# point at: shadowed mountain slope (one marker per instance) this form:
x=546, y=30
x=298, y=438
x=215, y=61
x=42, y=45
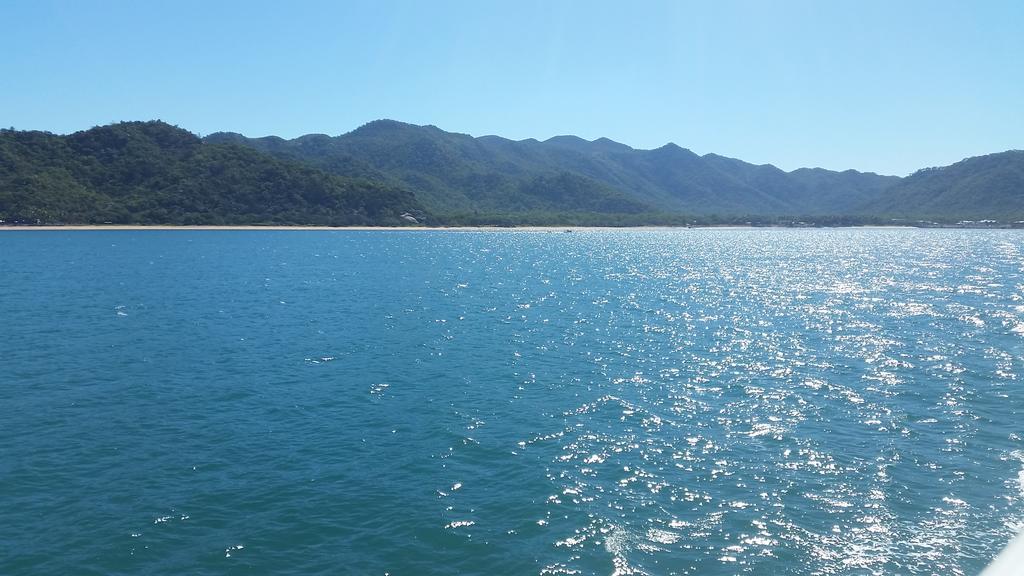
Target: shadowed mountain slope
x=453, y=172
x=982, y=187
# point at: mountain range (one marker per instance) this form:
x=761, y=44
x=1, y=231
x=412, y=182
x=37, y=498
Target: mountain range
x=389, y=172
x=452, y=172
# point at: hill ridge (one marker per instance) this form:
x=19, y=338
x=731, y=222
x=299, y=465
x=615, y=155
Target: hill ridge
x=453, y=172
x=154, y=172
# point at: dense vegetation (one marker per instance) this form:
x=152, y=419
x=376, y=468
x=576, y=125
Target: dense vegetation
x=983, y=187
x=154, y=173
x=456, y=173
x=385, y=171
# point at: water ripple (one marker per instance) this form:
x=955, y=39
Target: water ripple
x=634, y=402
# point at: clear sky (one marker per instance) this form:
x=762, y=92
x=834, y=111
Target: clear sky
x=888, y=86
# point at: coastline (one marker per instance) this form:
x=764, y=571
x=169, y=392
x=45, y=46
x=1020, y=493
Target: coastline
x=139, y=227
x=80, y=228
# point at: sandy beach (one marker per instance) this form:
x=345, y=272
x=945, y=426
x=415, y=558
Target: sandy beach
x=100, y=227
x=337, y=228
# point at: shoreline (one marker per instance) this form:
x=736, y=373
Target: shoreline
x=142, y=227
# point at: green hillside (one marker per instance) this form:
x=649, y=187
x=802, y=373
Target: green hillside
x=154, y=173
x=453, y=172
x=983, y=187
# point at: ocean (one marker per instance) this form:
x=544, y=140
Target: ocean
x=693, y=401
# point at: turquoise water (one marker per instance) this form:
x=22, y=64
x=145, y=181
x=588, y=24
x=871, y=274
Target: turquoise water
x=634, y=402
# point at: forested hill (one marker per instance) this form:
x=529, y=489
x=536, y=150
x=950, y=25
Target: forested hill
x=983, y=187
x=154, y=173
x=453, y=172
x=387, y=172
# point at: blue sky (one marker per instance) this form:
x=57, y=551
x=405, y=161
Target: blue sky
x=887, y=86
